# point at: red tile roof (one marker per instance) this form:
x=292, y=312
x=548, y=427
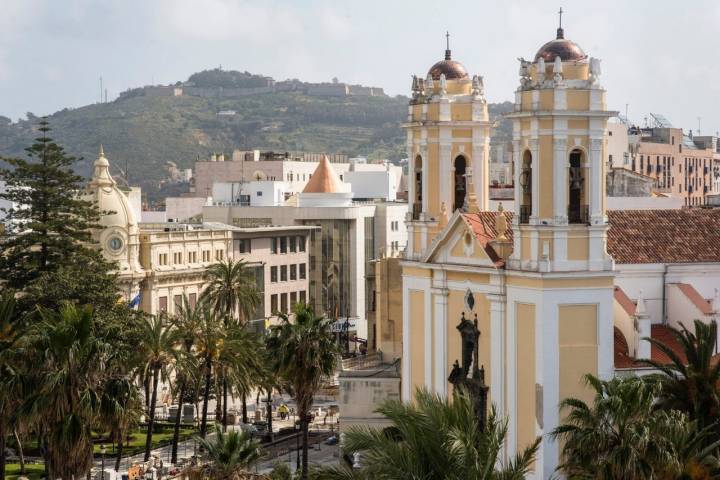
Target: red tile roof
x=658, y=332
x=664, y=236
x=641, y=236
x=624, y=301
x=689, y=291
x=483, y=226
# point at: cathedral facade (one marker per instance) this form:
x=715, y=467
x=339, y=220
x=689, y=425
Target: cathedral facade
x=539, y=282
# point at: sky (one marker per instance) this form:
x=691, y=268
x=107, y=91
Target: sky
x=657, y=56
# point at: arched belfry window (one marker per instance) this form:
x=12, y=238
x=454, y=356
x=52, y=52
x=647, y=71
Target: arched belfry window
x=460, y=182
x=418, y=179
x=526, y=188
x=577, y=204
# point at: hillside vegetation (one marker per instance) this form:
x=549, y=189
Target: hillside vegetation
x=145, y=132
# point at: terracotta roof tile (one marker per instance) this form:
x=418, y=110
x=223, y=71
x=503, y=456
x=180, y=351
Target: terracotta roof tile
x=624, y=301
x=689, y=291
x=642, y=236
x=483, y=226
x=659, y=332
x=664, y=236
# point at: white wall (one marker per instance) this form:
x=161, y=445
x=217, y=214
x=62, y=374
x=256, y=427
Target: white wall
x=651, y=278
x=183, y=208
x=385, y=215
x=617, y=144
x=377, y=185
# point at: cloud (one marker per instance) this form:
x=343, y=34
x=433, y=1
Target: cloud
x=218, y=20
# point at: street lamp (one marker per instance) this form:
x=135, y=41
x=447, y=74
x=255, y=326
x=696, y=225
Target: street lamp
x=103, y=451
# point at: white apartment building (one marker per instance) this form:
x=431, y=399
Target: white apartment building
x=350, y=235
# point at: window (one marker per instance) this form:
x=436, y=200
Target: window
x=273, y=274
x=293, y=272
x=192, y=257
x=283, y=273
x=460, y=183
x=293, y=244
x=273, y=245
x=303, y=274
x=162, y=304
x=206, y=255
x=302, y=296
x=284, y=303
x=177, y=303
x=273, y=303
x=293, y=299
x=301, y=244
x=244, y=245
x=177, y=258
x=162, y=259
x=610, y=157
x=218, y=255
x=258, y=193
x=192, y=300
x=283, y=244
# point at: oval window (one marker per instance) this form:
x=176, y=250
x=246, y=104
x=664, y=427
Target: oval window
x=115, y=244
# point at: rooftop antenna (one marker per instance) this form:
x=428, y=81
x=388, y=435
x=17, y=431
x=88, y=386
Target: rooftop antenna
x=101, y=89
x=699, y=121
x=560, y=31
x=447, y=46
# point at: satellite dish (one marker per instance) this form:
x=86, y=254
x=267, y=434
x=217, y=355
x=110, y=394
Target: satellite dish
x=259, y=175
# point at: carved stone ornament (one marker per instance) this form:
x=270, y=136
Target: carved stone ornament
x=469, y=300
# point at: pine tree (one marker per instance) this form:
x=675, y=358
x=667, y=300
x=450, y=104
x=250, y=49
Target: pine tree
x=49, y=252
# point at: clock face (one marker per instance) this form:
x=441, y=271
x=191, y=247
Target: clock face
x=115, y=244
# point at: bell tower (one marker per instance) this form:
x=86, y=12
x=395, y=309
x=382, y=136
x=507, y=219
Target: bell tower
x=559, y=278
x=448, y=139
x=559, y=124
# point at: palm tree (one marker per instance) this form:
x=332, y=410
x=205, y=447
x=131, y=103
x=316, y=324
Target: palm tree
x=232, y=291
x=187, y=323
x=433, y=437
x=303, y=353
x=10, y=379
x=623, y=435
x=69, y=364
x=158, y=344
x=229, y=454
x=208, y=344
x=120, y=409
x=691, y=386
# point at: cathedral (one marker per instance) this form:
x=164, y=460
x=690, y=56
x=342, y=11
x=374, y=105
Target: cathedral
x=539, y=283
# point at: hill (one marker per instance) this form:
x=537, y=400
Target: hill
x=145, y=132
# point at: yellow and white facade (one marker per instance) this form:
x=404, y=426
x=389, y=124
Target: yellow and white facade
x=542, y=291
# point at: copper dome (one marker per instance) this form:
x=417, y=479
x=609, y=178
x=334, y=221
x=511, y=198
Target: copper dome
x=567, y=50
x=452, y=69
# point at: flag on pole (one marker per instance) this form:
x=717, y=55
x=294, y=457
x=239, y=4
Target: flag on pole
x=135, y=301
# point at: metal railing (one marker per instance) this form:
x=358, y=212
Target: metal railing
x=416, y=210
x=579, y=214
x=524, y=213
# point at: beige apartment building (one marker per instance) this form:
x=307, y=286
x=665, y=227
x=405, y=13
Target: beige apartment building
x=681, y=165
x=280, y=257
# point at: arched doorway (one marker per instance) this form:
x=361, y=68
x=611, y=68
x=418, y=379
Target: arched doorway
x=460, y=182
x=577, y=209
x=525, y=209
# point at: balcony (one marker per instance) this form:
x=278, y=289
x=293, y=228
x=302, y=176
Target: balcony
x=416, y=210
x=579, y=214
x=524, y=214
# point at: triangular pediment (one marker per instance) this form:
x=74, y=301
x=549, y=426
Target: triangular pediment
x=458, y=244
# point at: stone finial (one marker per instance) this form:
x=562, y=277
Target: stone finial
x=640, y=305
x=540, y=70
x=102, y=151
x=443, y=215
x=443, y=85
x=501, y=223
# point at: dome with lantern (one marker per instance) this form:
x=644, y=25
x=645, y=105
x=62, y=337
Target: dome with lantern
x=118, y=230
